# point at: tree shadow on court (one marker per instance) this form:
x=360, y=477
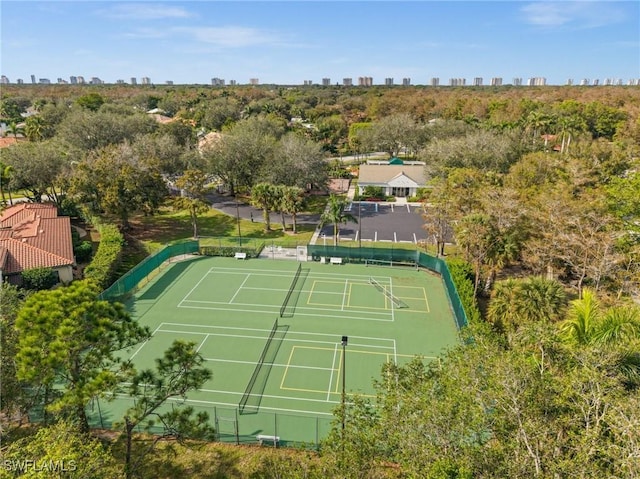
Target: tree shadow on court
x=252, y=397
x=166, y=280
x=290, y=307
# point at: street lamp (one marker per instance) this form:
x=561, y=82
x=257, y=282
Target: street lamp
x=238, y=221
x=345, y=339
x=359, y=224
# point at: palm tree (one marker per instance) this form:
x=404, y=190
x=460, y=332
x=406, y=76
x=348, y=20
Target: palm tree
x=334, y=214
x=542, y=299
x=583, y=314
x=504, y=305
x=15, y=129
x=264, y=195
x=569, y=124
x=5, y=176
x=586, y=323
x=34, y=128
x=292, y=202
x=524, y=301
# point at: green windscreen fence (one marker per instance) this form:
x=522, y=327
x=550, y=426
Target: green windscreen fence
x=397, y=256
x=364, y=254
x=142, y=270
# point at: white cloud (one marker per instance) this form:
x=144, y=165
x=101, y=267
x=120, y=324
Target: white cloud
x=575, y=14
x=146, y=33
x=231, y=36
x=145, y=11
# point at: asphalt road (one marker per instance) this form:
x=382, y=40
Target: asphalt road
x=227, y=205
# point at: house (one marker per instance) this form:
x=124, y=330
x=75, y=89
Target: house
x=396, y=177
x=32, y=235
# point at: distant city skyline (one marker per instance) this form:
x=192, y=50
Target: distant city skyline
x=297, y=43
x=325, y=81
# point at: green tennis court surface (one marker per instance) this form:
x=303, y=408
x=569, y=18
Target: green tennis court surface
x=229, y=309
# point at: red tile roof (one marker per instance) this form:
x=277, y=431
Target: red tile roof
x=33, y=236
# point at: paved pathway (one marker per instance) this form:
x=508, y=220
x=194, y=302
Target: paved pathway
x=227, y=205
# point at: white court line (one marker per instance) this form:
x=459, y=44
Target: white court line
x=146, y=341
x=395, y=352
x=333, y=365
x=202, y=342
x=239, y=288
x=344, y=293
x=393, y=317
x=262, y=338
x=277, y=365
x=235, y=404
x=193, y=289
x=304, y=333
x=315, y=315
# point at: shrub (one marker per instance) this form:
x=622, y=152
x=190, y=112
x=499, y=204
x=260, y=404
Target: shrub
x=37, y=279
x=373, y=192
x=107, y=258
x=83, y=251
x=462, y=276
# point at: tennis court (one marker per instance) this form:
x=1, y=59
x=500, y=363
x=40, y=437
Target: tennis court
x=271, y=333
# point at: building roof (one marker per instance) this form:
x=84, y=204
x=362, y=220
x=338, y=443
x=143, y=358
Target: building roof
x=9, y=141
x=32, y=235
x=383, y=174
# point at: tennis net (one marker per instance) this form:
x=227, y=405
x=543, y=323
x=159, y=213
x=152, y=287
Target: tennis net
x=396, y=301
x=283, y=308
x=256, y=371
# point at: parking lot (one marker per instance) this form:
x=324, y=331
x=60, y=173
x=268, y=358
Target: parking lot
x=398, y=223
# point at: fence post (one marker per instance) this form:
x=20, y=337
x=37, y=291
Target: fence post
x=275, y=428
x=237, y=428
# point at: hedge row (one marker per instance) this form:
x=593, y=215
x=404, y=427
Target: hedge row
x=462, y=276
x=105, y=262
x=230, y=251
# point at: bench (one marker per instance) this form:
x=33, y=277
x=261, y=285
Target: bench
x=335, y=260
x=241, y=255
x=266, y=438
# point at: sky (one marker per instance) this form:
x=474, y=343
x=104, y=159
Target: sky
x=293, y=41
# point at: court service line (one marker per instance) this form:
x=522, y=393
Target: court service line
x=277, y=365
x=337, y=276
x=235, y=404
x=269, y=396
x=239, y=288
x=146, y=341
x=194, y=288
x=295, y=340
x=350, y=318
x=236, y=328
x=335, y=351
x=344, y=293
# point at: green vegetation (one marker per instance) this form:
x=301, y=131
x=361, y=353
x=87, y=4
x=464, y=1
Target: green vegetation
x=538, y=186
x=39, y=278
